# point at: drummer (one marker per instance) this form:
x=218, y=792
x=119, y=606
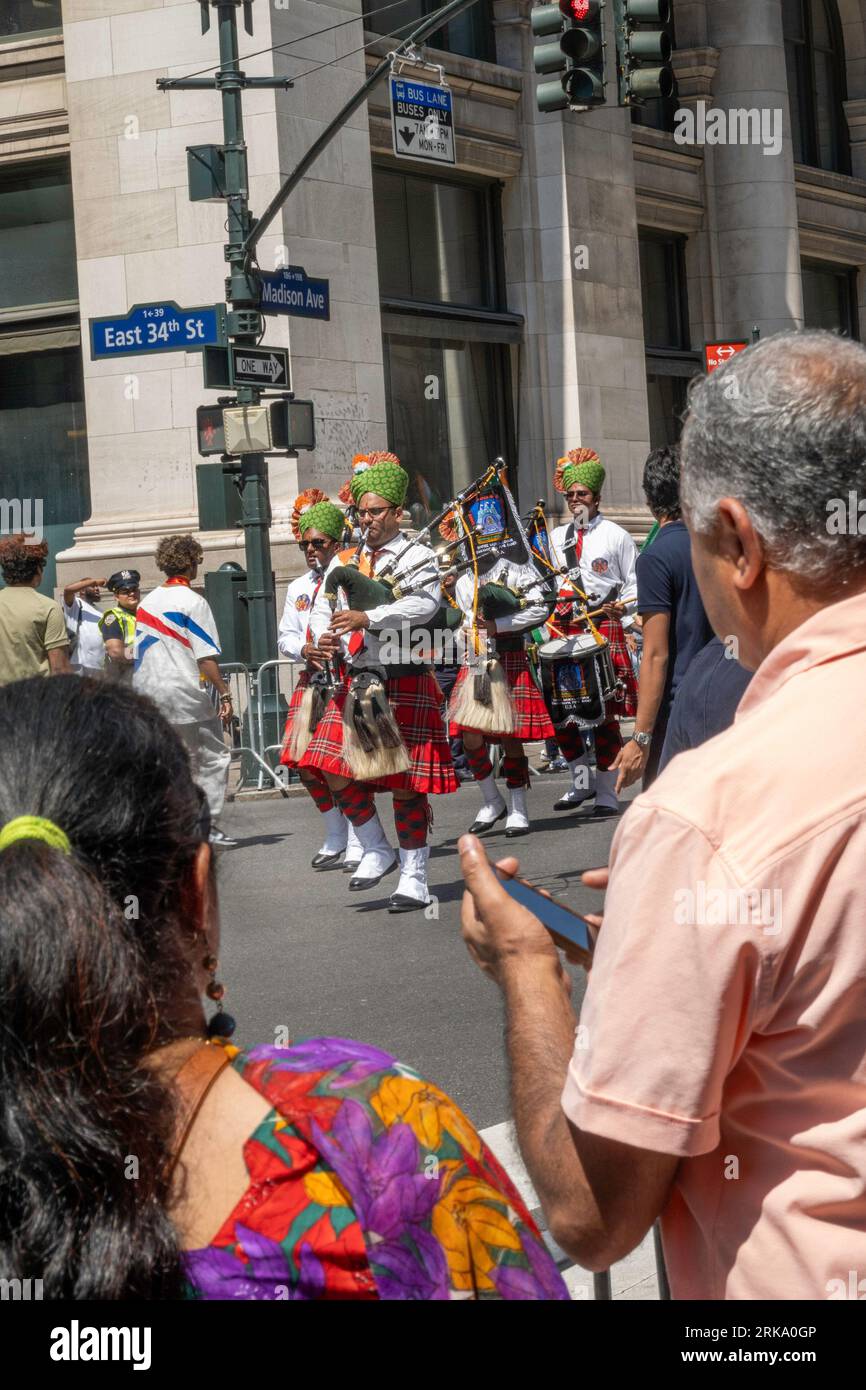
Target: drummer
x=601, y=559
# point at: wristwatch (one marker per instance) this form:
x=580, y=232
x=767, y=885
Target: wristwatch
x=642, y=740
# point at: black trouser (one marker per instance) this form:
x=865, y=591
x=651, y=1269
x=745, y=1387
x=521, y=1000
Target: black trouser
x=447, y=677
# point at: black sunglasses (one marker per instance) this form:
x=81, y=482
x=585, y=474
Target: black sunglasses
x=317, y=545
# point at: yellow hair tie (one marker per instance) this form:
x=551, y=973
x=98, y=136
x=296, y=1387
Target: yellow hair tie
x=34, y=828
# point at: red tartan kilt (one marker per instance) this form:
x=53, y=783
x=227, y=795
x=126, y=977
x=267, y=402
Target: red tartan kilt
x=297, y=696
x=417, y=705
x=531, y=719
x=612, y=629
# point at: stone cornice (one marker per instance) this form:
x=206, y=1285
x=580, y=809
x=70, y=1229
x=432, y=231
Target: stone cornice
x=477, y=154
x=467, y=77
x=659, y=147
x=831, y=188
x=31, y=57
x=695, y=70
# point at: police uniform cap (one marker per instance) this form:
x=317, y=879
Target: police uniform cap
x=124, y=579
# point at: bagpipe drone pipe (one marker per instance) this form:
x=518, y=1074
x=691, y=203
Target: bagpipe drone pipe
x=372, y=744
x=488, y=527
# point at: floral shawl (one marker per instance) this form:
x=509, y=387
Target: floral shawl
x=367, y=1182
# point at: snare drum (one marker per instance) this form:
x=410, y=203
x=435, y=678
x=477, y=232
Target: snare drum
x=578, y=680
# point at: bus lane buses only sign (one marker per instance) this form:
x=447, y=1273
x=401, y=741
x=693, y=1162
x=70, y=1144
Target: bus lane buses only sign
x=422, y=124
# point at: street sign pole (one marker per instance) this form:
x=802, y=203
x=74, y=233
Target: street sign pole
x=244, y=322
x=243, y=294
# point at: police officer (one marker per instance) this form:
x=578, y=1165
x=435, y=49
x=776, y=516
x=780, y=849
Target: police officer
x=117, y=623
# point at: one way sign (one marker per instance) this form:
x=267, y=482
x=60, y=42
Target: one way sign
x=261, y=366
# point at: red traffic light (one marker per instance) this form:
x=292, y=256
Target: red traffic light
x=579, y=10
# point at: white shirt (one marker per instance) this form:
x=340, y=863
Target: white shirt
x=504, y=571
x=297, y=612
x=174, y=629
x=415, y=610
x=89, y=651
x=608, y=558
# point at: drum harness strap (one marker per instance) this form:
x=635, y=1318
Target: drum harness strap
x=573, y=551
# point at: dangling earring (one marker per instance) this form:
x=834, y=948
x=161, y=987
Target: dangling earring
x=222, y=1025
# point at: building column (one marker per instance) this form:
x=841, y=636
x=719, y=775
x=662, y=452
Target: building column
x=757, y=258
x=572, y=269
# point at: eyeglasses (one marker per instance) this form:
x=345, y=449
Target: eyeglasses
x=317, y=545
x=578, y=495
x=374, y=512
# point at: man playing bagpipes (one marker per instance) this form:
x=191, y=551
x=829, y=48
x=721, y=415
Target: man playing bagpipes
x=318, y=526
x=495, y=699
x=600, y=558
x=382, y=730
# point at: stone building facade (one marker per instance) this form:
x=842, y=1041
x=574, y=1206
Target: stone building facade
x=555, y=288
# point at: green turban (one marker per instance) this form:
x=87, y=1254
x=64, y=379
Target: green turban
x=313, y=512
x=379, y=473
x=581, y=466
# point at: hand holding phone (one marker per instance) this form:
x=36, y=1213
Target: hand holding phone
x=571, y=932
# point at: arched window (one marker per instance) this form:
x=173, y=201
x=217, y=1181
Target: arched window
x=816, y=84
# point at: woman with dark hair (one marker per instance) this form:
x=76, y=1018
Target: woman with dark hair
x=141, y=1156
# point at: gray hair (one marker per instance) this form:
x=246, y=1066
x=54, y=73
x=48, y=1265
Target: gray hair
x=782, y=428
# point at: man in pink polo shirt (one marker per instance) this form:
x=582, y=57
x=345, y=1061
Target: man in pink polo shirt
x=717, y=1078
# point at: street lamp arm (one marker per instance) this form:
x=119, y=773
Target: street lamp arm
x=422, y=31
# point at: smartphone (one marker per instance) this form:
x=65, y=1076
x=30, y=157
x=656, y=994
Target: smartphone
x=566, y=927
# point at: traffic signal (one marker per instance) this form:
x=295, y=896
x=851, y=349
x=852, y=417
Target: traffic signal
x=577, y=54
x=643, y=55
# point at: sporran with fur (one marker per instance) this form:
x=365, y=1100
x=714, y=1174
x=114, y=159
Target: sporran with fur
x=482, y=700
x=373, y=746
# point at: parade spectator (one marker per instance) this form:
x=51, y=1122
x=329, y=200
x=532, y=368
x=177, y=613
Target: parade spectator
x=82, y=617
x=706, y=700
x=324, y=1170
x=33, y=636
x=718, y=1079
x=674, y=625
x=117, y=624
x=176, y=658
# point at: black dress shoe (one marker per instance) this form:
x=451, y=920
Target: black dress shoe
x=357, y=885
x=604, y=813
x=401, y=902
x=516, y=831
x=326, y=861
x=480, y=827
x=563, y=804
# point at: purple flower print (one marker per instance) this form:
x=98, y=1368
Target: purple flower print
x=402, y=1274
x=541, y=1281
x=325, y=1054
x=221, y=1274
x=381, y=1175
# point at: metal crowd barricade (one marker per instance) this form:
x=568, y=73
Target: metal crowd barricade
x=271, y=690
x=245, y=728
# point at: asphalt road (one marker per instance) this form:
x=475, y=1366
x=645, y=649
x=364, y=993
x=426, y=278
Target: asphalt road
x=302, y=956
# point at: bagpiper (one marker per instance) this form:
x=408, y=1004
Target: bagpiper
x=502, y=602
x=382, y=729
x=318, y=526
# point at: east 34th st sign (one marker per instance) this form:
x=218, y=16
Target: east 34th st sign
x=160, y=327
